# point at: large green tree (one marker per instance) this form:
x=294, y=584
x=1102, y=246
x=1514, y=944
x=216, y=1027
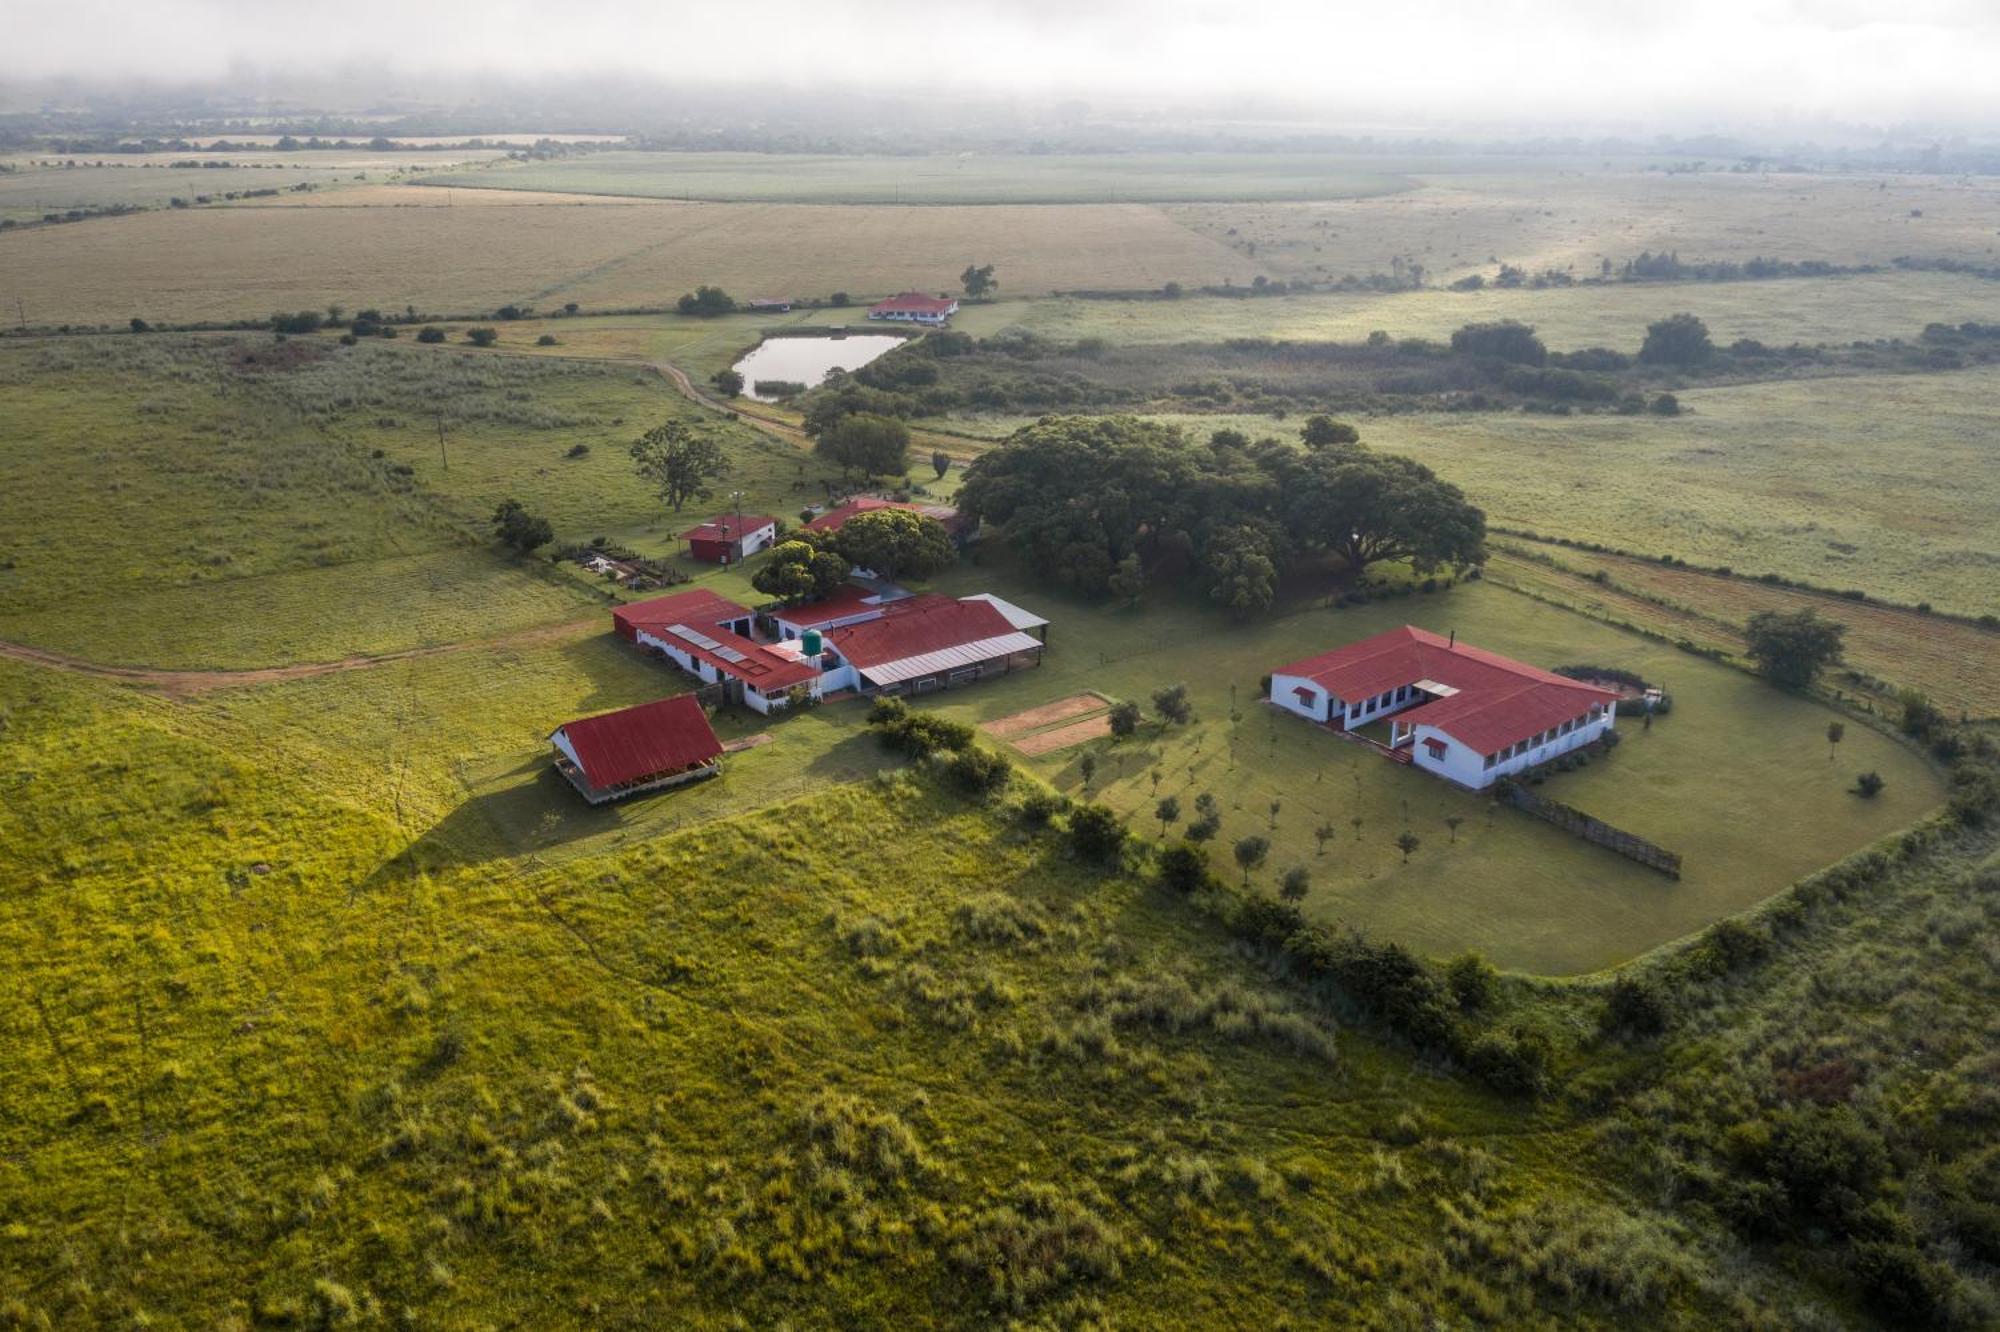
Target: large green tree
x=800, y=569
x=681, y=461
x=1680, y=339
x=895, y=543
x=1241, y=573
x=1367, y=507
x=866, y=443
x=1791, y=648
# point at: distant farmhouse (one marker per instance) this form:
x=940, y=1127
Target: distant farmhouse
x=1463, y=713
x=945, y=516
x=647, y=748
x=769, y=304
x=855, y=640
x=731, y=538
x=913, y=307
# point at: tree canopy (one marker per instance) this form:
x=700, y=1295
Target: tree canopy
x=1791, y=648
x=1680, y=339
x=867, y=443
x=1506, y=340
x=800, y=569
x=895, y=543
x=979, y=281
x=1080, y=498
x=522, y=530
x=681, y=462
x=706, y=302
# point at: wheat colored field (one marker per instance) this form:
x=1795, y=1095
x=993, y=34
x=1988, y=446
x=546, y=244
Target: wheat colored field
x=1460, y=224
x=184, y=266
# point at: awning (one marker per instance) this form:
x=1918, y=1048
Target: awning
x=951, y=658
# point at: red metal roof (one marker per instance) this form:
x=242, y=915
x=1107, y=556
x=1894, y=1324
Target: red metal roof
x=845, y=600
x=1498, y=702
x=729, y=528
x=918, y=625
x=663, y=736
x=834, y=518
x=914, y=302
x=699, y=607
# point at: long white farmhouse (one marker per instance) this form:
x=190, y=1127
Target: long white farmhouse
x=1463, y=713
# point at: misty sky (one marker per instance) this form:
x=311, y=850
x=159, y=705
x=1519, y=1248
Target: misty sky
x=1458, y=62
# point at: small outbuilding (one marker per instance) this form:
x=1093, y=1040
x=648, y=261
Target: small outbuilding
x=647, y=748
x=731, y=537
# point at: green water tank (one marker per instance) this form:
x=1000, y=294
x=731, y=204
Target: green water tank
x=811, y=641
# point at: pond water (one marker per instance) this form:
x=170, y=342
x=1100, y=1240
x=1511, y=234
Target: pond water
x=808, y=360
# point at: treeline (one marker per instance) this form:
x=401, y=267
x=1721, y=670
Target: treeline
x=1110, y=505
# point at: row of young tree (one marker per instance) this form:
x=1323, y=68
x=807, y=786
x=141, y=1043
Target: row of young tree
x=1109, y=505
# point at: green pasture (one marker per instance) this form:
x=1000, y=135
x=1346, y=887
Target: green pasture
x=966, y=178
x=1737, y=779
x=1885, y=483
x=781, y=1064
x=1778, y=312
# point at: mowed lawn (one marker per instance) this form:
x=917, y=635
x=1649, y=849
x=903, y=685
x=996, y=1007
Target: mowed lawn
x=1737, y=779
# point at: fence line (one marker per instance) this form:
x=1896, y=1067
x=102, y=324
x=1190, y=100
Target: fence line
x=1594, y=830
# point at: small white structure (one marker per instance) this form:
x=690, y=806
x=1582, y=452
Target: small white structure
x=1463, y=713
x=913, y=307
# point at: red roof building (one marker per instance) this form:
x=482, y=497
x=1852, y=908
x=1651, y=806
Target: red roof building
x=914, y=307
x=928, y=642
x=850, y=603
x=709, y=637
x=833, y=519
x=1465, y=713
x=731, y=537
x=647, y=748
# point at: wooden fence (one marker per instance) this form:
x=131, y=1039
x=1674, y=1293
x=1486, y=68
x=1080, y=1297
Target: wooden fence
x=1579, y=824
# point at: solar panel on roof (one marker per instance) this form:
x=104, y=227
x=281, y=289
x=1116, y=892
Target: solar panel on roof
x=694, y=636
x=729, y=654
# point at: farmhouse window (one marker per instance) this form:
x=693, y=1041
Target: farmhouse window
x=1437, y=748
x=1491, y=759
x=1595, y=712
x=1566, y=726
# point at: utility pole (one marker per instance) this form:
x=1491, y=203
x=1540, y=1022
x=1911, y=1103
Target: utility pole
x=443, y=457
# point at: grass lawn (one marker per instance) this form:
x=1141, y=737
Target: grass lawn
x=1737, y=779
x=1789, y=477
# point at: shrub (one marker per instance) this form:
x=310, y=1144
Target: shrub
x=1516, y=1064
x=430, y=333
x=1035, y=1242
x=1039, y=806
x=1900, y=1283
x=1635, y=1006
x=546, y=340
x=979, y=771
x=1473, y=981
x=1096, y=833
x=1868, y=784
x=1184, y=867
x=482, y=337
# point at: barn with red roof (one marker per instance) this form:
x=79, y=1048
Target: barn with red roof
x=925, y=643
x=710, y=637
x=647, y=748
x=1464, y=713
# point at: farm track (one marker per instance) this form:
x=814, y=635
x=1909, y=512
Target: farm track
x=187, y=684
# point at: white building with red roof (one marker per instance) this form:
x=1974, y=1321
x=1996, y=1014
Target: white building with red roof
x=709, y=637
x=914, y=307
x=731, y=538
x=1458, y=711
x=926, y=643
x=647, y=748
x=836, y=517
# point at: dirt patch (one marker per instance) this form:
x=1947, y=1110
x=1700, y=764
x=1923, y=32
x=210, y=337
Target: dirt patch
x=1062, y=737
x=1048, y=714
x=747, y=742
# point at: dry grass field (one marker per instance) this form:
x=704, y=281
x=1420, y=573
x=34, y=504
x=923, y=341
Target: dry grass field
x=1779, y=312
x=235, y=263
x=1460, y=224
x=954, y=178
x=1956, y=664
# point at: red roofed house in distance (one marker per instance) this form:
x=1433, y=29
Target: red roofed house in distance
x=647, y=748
x=1466, y=714
x=913, y=307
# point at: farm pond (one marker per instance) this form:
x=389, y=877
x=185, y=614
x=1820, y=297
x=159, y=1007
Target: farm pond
x=808, y=360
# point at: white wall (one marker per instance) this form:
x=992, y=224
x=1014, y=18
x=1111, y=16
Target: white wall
x=762, y=537
x=1284, y=693
x=1462, y=765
